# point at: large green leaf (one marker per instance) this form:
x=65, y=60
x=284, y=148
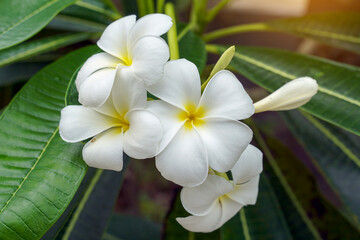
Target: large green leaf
x=39, y=46
x=40, y=173
x=338, y=98
x=75, y=24
x=264, y=220
x=340, y=29
x=336, y=155
x=57, y=228
x=21, y=19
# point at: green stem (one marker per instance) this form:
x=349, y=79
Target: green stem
x=198, y=15
x=82, y=203
x=141, y=4
x=113, y=15
x=234, y=30
x=215, y=10
x=172, y=34
x=160, y=6
x=150, y=6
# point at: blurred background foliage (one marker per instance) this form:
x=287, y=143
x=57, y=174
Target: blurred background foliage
x=311, y=180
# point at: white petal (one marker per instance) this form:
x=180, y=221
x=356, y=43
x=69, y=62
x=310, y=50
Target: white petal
x=200, y=199
x=96, y=89
x=206, y=223
x=78, y=123
x=224, y=140
x=128, y=93
x=248, y=166
x=184, y=159
x=229, y=209
x=246, y=193
x=151, y=24
x=180, y=84
x=108, y=108
x=168, y=116
x=291, y=95
x=115, y=37
x=149, y=55
x=224, y=96
x=142, y=139
x=105, y=150
x=93, y=64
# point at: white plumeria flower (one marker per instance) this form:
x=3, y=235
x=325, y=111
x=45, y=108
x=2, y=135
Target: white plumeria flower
x=217, y=200
x=130, y=46
x=120, y=125
x=291, y=95
x=199, y=131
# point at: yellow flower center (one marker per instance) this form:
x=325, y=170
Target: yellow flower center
x=122, y=123
x=127, y=61
x=192, y=116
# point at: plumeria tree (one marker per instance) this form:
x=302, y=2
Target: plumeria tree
x=134, y=83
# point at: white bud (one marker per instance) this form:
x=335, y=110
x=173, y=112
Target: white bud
x=290, y=96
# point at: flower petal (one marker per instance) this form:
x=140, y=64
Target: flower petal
x=206, y=223
x=115, y=37
x=96, y=89
x=248, y=166
x=224, y=96
x=151, y=24
x=246, y=193
x=229, y=209
x=168, y=115
x=143, y=137
x=78, y=123
x=94, y=63
x=180, y=84
x=224, y=140
x=128, y=93
x=149, y=55
x=105, y=150
x=184, y=159
x=200, y=199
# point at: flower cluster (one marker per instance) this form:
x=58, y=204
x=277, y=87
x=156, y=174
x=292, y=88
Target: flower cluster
x=195, y=137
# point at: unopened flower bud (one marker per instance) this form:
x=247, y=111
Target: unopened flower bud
x=290, y=96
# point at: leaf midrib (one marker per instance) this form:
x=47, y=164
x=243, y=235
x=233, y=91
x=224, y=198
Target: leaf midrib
x=291, y=77
x=31, y=169
x=29, y=16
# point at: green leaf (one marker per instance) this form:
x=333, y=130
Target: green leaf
x=75, y=24
x=40, y=173
x=192, y=48
x=21, y=19
x=57, y=228
x=340, y=29
x=39, y=46
x=336, y=156
x=131, y=227
x=91, y=217
x=325, y=218
x=338, y=98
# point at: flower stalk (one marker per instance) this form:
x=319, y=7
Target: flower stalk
x=172, y=34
